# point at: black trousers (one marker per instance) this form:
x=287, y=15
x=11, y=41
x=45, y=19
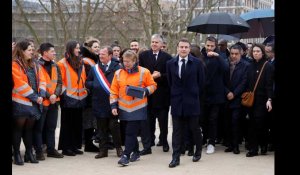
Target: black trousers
x=105, y=125
x=145, y=133
x=162, y=117
x=47, y=122
x=71, y=129
x=258, y=131
x=131, y=142
x=211, y=114
x=232, y=126
x=179, y=123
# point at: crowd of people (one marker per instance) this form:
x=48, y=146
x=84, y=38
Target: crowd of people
x=114, y=96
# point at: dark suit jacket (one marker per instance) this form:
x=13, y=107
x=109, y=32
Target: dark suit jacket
x=237, y=83
x=100, y=99
x=186, y=92
x=161, y=97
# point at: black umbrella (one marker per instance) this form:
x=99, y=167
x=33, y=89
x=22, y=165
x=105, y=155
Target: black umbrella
x=218, y=23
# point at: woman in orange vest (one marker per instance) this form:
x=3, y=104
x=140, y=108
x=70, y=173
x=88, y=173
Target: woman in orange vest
x=131, y=109
x=73, y=99
x=89, y=52
x=27, y=97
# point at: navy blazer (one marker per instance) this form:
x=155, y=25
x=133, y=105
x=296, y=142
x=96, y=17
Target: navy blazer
x=186, y=92
x=161, y=97
x=100, y=99
x=237, y=83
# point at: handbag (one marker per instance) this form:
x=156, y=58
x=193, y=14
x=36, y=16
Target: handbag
x=248, y=97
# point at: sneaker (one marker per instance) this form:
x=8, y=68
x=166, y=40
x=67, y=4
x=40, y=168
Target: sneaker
x=124, y=160
x=135, y=156
x=210, y=149
x=54, y=154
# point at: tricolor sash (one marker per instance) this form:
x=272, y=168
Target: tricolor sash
x=102, y=79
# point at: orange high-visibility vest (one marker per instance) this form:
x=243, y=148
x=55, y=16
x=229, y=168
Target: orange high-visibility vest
x=51, y=82
x=120, y=81
x=22, y=89
x=74, y=88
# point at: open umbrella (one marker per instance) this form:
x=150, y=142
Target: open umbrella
x=218, y=23
x=261, y=22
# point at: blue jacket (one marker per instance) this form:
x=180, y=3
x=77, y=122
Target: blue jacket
x=186, y=93
x=100, y=99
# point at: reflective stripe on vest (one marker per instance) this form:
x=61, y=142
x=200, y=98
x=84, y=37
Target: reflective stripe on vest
x=70, y=90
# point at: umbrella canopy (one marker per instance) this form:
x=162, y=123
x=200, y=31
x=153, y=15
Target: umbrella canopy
x=218, y=23
x=261, y=22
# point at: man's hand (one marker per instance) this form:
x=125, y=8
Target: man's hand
x=114, y=112
x=211, y=54
x=230, y=96
x=156, y=74
x=52, y=98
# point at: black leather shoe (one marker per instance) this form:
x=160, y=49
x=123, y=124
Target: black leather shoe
x=68, y=152
x=17, y=158
x=77, y=151
x=54, y=154
x=196, y=158
x=229, y=149
x=174, y=163
x=251, y=154
x=263, y=150
x=236, y=151
x=145, y=152
x=159, y=144
x=40, y=156
x=29, y=157
x=166, y=148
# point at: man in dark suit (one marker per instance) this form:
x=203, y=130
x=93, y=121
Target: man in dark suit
x=235, y=85
x=185, y=76
x=158, y=103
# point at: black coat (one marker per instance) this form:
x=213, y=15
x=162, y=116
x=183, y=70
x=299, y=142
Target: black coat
x=215, y=82
x=100, y=99
x=264, y=89
x=237, y=83
x=161, y=97
x=186, y=92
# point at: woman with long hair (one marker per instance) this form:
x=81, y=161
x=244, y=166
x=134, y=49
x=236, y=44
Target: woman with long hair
x=27, y=97
x=73, y=99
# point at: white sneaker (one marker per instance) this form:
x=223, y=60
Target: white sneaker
x=210, y=149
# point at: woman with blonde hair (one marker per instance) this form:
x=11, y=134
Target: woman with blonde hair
x=130, y=108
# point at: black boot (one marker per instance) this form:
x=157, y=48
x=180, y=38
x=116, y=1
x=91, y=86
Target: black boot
x=18, y=158
x=29, y=157
x=88, y=142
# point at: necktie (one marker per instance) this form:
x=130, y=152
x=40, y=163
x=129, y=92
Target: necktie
x=155, y=56
x=232, y=66
x=182, y=71
x=105, y=67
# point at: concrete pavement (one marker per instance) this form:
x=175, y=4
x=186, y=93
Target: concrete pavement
x=219, y=163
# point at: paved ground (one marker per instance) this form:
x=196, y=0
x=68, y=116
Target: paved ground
x=219, y=163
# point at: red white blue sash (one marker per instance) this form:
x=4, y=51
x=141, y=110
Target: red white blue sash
x=102, y=79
